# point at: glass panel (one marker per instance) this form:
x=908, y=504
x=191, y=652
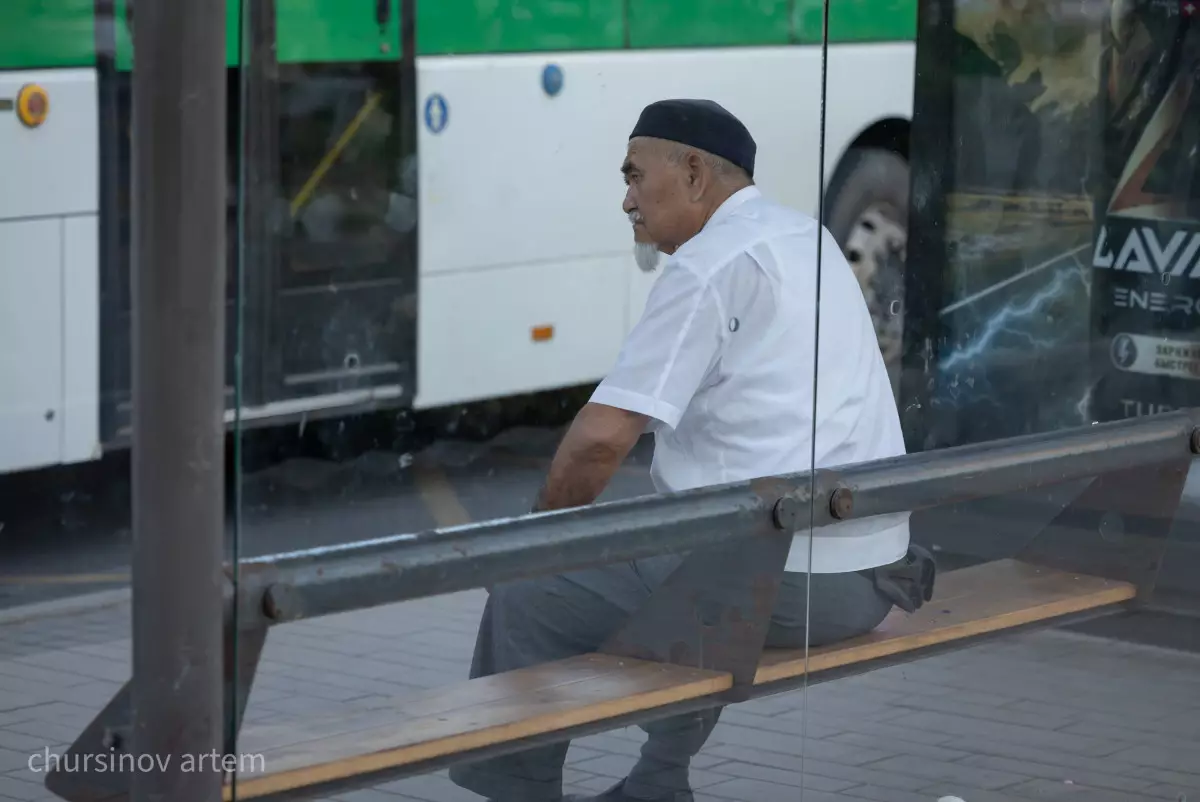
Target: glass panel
x=324, y=131
x=65, y=506
x=114, y=32
x=1021, y=234
x=330, y=221
x=70, y=471
x=536, y=351
x=859, y=53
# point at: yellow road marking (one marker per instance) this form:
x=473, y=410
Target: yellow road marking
x=438, y=495
x=64, y=579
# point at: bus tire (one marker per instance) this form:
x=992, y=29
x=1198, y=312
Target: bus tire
x=867, y=214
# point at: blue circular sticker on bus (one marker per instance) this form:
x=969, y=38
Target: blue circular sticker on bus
x=437, y=113
x=552, y=79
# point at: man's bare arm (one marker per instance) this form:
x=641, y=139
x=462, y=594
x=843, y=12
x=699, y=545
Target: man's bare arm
x=594, y=447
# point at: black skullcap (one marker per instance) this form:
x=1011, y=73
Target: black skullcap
x=700, y=124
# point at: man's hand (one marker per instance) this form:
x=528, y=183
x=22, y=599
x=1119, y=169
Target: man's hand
x=594, y=447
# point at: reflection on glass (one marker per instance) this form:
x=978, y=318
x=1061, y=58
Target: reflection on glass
x=315, y=123
x=1008, y=319
x=64, y=505
x=1066, y=200
x=1147, y=240
x=1042, y=259
x=345, y=220
x=520, y=114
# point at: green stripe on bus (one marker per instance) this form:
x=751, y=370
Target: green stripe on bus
x=708, y=23
x=47, y=33
x=448, y=27
x=54, y=33
x=335, y=30
x=856, y=21
x=306, y=31
x=124, y=34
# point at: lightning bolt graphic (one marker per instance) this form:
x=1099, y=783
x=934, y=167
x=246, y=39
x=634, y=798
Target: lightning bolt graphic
x=976, y=373
x=1005, y=321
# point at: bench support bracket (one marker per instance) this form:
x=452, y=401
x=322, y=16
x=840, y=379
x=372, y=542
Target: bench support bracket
x=105, y=743
x=1117, y=528
x=713, y=611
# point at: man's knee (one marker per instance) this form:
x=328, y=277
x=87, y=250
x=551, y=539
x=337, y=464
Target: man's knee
x=552, y=616
x=529, y=608
x=522, y=594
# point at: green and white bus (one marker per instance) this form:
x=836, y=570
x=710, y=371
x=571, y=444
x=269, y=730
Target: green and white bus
x=428, y=189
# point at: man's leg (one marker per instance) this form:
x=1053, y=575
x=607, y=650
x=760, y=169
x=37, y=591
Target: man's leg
x=661, y=772
x=536, y=621
x=843, y=606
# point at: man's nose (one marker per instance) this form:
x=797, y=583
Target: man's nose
x=628, y=205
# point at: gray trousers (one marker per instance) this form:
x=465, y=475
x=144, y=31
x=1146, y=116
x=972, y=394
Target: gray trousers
x=554, y=617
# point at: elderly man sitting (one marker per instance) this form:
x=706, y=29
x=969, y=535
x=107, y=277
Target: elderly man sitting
x=720, y=367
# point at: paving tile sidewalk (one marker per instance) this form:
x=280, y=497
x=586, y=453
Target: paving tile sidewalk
x=1037, y=717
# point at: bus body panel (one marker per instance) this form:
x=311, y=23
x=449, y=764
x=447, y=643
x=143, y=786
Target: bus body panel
x=49, y=322
x=52, y=169
x=81, y=339
x=519, y=329
x=519, y=188
x=30, y=342
x=525, y=278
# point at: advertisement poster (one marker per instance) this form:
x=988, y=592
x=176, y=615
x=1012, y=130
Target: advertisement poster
x=1146, y=255
x=1066, y=125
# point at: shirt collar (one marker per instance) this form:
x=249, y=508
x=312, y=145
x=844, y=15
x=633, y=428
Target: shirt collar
x=733, y=202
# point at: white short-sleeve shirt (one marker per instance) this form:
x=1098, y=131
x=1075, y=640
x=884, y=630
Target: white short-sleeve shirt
x=722, y=360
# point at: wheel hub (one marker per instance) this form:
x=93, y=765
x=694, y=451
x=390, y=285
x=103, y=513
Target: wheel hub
x=876, y=249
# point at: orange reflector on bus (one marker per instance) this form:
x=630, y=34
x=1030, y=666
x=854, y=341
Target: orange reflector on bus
x=33, y=104
x=542, y=333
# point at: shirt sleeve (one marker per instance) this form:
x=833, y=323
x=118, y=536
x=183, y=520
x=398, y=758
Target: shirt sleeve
x=670, y=351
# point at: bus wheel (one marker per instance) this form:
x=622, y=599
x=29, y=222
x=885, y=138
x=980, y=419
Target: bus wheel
x=868, y=216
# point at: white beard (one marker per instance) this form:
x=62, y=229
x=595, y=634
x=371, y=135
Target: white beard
x=647, y=256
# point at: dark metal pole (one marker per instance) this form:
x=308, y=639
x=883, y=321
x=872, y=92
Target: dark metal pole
x=179, y=174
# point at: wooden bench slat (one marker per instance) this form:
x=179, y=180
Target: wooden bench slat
x=465, y=695
x=967, y=603
x=457, y=718
x=581, y=690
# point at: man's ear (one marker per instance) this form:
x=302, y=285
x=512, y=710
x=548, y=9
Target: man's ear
x=696, y=176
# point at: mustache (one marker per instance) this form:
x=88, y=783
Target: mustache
x=636, y=217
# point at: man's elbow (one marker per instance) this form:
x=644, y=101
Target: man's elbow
x=608, y=433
